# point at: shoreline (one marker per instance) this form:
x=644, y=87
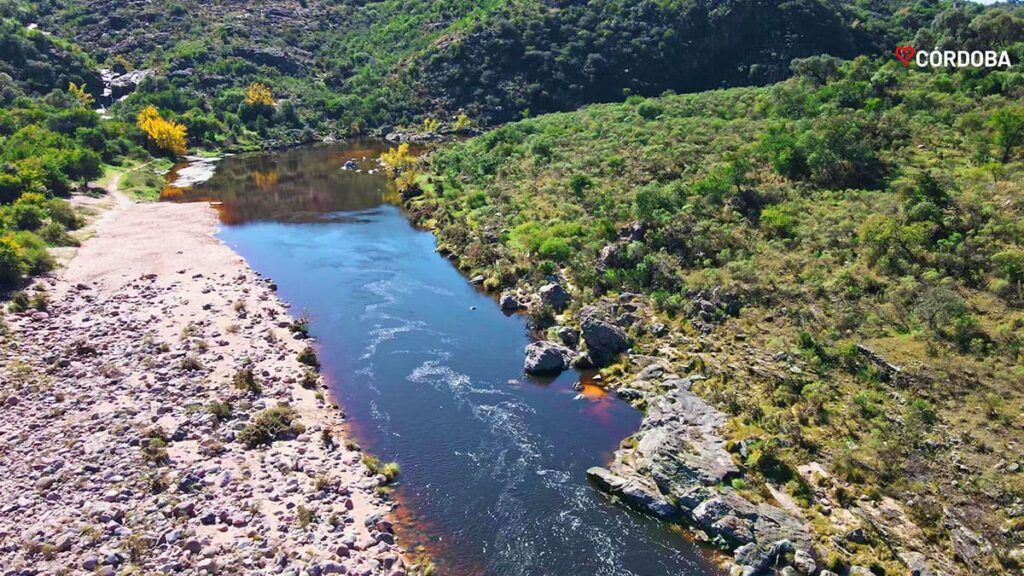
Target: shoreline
x=147, y=327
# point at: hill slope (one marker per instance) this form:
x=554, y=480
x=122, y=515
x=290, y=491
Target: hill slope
x=839, y=256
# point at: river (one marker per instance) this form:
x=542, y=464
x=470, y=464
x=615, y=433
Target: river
x=429, y=372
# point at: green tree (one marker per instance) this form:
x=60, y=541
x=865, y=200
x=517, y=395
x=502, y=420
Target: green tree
x=1008, y=123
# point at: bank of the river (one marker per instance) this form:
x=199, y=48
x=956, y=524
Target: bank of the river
x=122, y=411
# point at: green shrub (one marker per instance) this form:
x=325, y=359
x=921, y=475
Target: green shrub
x=54, y=234
x=220, y=410
x=11, y=265
x=270, y=425
x=309, y=379
x=19, y=302
x=556, y=249
x=309, y=358
x=190, y=363
x=245, y=379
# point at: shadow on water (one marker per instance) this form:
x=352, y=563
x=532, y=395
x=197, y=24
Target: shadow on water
x=429, y=372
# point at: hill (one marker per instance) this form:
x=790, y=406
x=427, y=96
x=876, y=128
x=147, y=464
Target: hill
x=836, y=259
x=349, y=66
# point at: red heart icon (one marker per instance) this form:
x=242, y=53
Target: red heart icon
x=905, y=54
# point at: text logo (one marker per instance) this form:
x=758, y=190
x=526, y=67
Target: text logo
x=952, y=58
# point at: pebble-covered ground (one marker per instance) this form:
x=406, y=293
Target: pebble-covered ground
x=122, y=425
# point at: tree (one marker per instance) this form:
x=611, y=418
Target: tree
x=398, y=159
x=165, y=135
x=258, y=94
x=1008, y=123
x=1010, y=265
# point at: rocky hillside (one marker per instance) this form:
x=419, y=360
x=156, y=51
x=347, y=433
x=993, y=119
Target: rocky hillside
x=818, y=283
x=342, y=67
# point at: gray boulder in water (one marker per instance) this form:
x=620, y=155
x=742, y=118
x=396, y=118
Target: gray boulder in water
x=509, y=302
x=546, y=358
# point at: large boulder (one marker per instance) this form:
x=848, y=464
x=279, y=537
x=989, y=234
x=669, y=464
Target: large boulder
x=604, y=340
x=509, y=302
x=546, y=358
x=555, y=296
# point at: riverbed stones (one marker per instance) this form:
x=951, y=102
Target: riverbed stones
x=546, y=358
x=102, y=374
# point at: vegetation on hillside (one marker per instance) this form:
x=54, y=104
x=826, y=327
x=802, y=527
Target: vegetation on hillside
x=51, y=142
x=348, y=67
x=858, y=203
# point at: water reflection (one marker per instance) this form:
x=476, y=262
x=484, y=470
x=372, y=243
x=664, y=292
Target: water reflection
x=297, y=185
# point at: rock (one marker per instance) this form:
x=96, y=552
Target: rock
x=679, y=440
x=478, y=279
x=754, y=557
x=857, y=536
x=634, y=492
x=123, y=84
x=611, y=256
x=349, y=165
x=804, y=562
x=629, y=394
x=633, y=232
x=554, y=296
x=860, y=571
x=968, y=546
x=509, y=302
x=604, y=341
x=546, y=358
x=568, y=336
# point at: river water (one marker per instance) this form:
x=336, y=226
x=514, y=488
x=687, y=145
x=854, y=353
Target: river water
x=429, y=372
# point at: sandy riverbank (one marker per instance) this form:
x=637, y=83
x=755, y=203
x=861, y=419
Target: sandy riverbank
x=146, y=327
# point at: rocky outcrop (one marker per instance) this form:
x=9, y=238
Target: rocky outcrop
x=708, y=309
x=675, y=467
x=120, y=85
x=546, y=358
x=288, y=62
x=604, y=340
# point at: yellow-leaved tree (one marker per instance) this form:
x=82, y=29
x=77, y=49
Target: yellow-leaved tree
x=165, y=135
x=83, y=97
x=398, y=160
x=258, y=94
x=400, y=163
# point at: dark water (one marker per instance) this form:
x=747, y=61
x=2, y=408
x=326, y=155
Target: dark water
x=492, y=461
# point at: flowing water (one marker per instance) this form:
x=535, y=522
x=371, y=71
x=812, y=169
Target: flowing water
x=429, y=372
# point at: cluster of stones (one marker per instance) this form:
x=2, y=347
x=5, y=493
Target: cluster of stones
x=86, y=384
